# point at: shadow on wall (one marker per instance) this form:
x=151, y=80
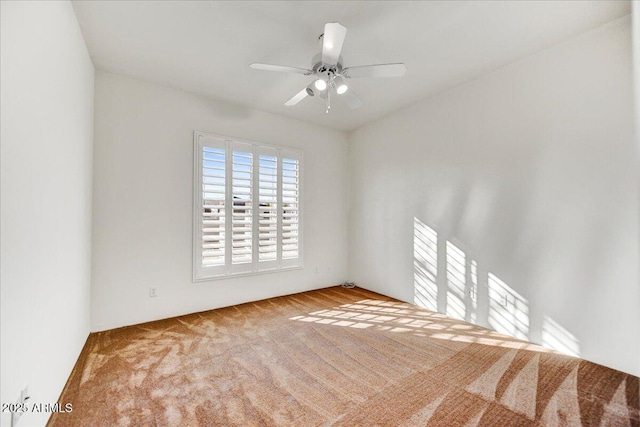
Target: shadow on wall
x=449, y=281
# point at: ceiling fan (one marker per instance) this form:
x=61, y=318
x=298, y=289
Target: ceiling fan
x=329, y=73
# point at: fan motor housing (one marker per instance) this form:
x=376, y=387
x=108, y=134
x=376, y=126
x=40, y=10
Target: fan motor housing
x=320, y=67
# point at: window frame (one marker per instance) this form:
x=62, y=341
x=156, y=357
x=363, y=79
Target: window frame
x=228, y=269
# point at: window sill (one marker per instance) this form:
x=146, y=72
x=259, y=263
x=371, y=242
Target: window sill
x=245, y=274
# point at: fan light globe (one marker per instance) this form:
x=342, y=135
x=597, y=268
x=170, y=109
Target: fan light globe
x=309, y=89
x=340, y=85
x=320, y=84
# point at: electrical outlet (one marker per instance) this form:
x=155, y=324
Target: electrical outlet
x=153, y=292
x=471, y=293
x=504, y=301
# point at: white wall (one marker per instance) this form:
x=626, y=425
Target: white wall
x=142, y=229
x=635, y=22
x=47, y=131
x=532, y=172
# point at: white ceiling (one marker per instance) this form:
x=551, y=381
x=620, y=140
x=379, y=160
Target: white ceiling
x=206, y=47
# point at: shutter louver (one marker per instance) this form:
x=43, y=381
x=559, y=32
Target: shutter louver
x=242, y=199
x=290, y=208
x=268, y=198
x=213, y=207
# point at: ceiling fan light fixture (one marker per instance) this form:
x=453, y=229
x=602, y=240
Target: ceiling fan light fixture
x=311, y=89
x=340, y=85
x=329, y=75
x=320, y=84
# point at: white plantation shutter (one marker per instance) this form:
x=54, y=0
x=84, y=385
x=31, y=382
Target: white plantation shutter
x=211, y=213
x=247, y=207
x=290, y=178
x=241, y=196
x=268, y=207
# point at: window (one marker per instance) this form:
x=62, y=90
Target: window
x=247, y=207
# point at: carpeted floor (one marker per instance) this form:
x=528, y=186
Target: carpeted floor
x=335, y=357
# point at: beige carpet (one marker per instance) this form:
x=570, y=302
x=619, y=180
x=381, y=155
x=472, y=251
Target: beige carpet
x=341, y=357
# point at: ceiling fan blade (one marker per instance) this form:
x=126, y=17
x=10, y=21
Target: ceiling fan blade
x=353, y=101
x=332, y=41
x=281, y=68
x=297, y=98
x=380, y=70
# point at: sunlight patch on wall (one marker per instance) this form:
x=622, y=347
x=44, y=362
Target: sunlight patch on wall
x=425, y=265
x=558, y=338
x=456, y=282
x=461, y=287
x=508, y=310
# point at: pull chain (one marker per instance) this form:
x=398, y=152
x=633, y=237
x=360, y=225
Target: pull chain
x=328, y=101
